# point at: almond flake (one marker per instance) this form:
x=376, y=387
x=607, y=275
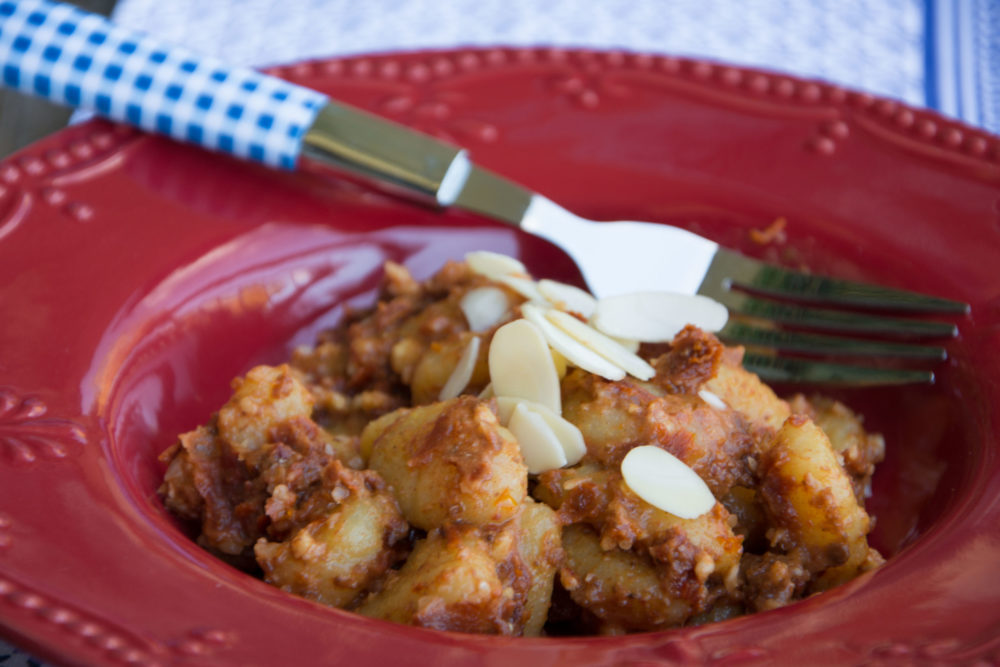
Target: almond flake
x=539, y=444
x=521, y=365
x=656, y=317
x=560, y=362
x=569, y=436
x=628, y=343
x=712, y=399
x=575, y=352
x=526, y=287
x=602, y=345
x=484, y=307
x=462, y=373
x=505, y=408
x=493, y=264
x=567, y=297
x=665, y=482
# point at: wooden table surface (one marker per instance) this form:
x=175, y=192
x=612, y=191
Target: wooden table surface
x=26, y=119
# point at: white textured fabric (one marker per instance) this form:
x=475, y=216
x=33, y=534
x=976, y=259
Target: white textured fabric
x=876, y=45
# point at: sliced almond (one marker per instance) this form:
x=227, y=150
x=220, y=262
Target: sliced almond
x=526, y=287
x=712, y=399
x=575, y=352
x=540, y=446
x=505, y=408
x=656, y=317
x=628, y=343
x=521, y=365
x=484, y=307
x=560, y=362
x=567, y=297
x=665, y=482
x=602, y=345
x=569, y=436
x=462, y=373
x=493, y=264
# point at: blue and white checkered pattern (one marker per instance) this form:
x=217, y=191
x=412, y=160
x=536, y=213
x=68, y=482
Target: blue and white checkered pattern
x=70, y=57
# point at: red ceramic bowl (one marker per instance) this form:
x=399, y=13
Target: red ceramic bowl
x=138, y=277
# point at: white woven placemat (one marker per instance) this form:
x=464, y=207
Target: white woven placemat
x=939, y=53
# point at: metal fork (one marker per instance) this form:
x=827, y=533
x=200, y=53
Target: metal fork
x=71, y=57
x=757, y=294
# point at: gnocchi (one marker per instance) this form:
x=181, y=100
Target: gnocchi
x=341, y=477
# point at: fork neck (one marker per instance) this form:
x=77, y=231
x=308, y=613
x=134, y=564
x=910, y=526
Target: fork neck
x=387, y=155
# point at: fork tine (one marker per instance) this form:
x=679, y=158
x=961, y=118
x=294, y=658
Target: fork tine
x=834, y=320
x=745, y=334
x=784, y=369
x=752, y=274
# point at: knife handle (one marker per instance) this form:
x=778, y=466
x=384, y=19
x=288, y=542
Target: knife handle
x=75, y=58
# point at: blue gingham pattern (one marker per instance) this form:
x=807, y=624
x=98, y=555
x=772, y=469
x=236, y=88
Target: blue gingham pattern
x=71, y=57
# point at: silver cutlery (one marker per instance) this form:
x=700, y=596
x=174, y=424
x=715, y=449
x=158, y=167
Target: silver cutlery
x=71, y=57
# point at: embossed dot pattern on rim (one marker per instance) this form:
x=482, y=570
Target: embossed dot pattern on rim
x=37, y=174
x=439, y=67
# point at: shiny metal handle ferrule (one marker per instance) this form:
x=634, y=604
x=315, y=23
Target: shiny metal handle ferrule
x=361, y=143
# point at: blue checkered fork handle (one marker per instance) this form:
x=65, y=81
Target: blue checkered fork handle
x=78, y=59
